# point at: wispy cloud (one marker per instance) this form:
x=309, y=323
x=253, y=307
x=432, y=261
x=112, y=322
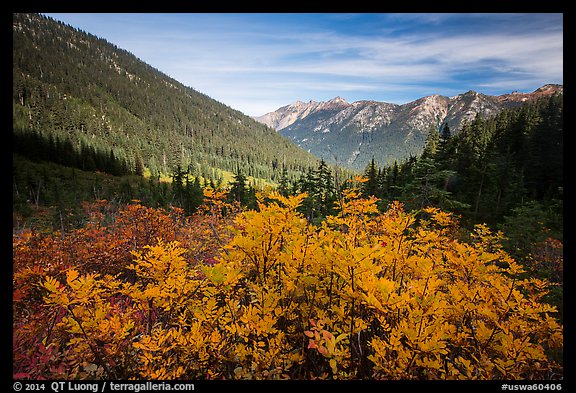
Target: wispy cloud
x=253, y=62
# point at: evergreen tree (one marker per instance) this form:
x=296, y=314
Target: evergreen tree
x=431, y=143
x=283, y=185
x=544, y=152
x=193, y=195
x=371, y=186
x=445, y=151
x=178, y=176
x=308, y=184
x=238, y=189
x=326, y=195
x=426, y=187
x=392, y=182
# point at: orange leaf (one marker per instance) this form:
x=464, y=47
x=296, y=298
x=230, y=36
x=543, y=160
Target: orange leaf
x=327, y=335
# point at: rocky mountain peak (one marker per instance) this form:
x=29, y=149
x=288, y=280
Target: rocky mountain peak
x=469, y=94
x=338, y=100
x=550, y=89
x=351, y=134
x=335, y=103
x=516, y=97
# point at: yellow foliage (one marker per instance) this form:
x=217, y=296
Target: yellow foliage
x=363, y=295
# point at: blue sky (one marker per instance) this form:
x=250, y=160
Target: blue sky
x=258, y=62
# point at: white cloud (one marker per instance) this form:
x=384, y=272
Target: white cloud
x=253, y=66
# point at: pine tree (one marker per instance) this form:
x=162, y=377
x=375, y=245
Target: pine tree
x=427, y=187
x=283, y=182
x=392, y=181
x=326, y=195
x=431, y=143
x=308, y=183
x=544, y=152
x=446, y=149
x=193, y=195
x=238, y=189
x=178, y=176
x=371, y=186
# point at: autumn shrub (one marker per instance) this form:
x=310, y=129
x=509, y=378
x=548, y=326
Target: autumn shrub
x=363, y=295
x=103, y=247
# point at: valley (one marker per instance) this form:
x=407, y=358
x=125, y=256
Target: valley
x=159, y=234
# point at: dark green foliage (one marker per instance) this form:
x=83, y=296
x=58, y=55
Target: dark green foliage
x=41, y=188
x=371, y=186
x=320, y=186
x=531, y=223
x=487, y=169
x=283, y=183
x=49, y=195
x=194, y=195
x=428, y=187
x=188, y=193
x=120, y=113
x=238, y=189
x=534, y=234
x=544, y=163
x=38, y=147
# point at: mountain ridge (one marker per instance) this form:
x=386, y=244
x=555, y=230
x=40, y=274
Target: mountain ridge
x=73, y=86
x=513, y=97
x=394, y=131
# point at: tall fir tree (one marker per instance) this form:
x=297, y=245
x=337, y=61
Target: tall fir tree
x=370, y=187
x=238, y=188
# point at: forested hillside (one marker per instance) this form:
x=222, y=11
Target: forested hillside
x=486, y=169
x=100, y=101
x=448, y=265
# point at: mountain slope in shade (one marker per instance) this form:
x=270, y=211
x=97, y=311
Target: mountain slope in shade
x=71, y=85
x=351, y=134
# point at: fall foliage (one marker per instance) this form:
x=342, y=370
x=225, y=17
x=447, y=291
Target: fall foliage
x=142, y=293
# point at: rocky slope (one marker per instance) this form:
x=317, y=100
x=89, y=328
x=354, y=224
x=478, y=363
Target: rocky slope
x=351, y=134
